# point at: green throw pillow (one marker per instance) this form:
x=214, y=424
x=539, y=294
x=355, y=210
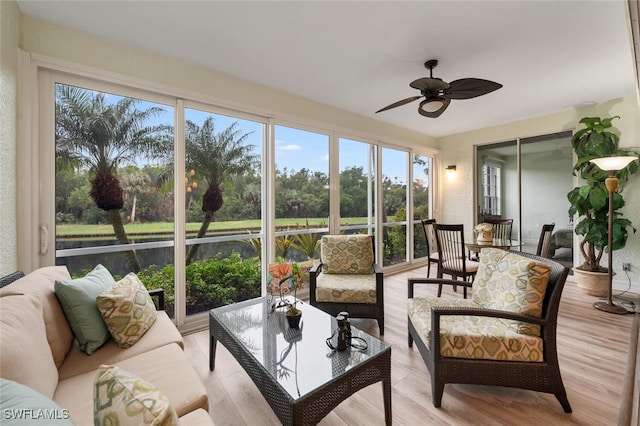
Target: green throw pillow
x=78, y=300
x=21, y=405
x=127, y=309
x=120, y=398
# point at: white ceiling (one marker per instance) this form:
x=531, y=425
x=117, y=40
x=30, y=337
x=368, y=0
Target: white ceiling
x=360, y=56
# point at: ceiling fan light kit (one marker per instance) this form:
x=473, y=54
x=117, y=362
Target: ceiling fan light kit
x=438, y=93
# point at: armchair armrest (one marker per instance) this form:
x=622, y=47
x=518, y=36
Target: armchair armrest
x=413, y=281
x=158, y=293
x=315, y=268
x=438, y=311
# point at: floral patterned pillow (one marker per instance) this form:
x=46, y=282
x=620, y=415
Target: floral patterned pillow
x=127, y=309
x=120, y=398
x=346, y=254
x=510, y=282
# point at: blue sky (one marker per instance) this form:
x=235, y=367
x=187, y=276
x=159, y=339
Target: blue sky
x=295, y=148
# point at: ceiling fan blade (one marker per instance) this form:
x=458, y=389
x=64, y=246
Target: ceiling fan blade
x=434, y=114
x=467, y=88
x=426, y=84
x=399, y=103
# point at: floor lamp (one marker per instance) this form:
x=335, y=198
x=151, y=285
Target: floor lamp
x=611, y=165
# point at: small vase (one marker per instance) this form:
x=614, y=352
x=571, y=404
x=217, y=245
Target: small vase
x=485, y=237
x=294, y=320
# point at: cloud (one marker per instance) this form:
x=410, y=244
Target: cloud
x=325, y=157
x=289, y=147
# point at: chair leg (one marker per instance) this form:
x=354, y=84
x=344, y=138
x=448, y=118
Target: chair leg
x=437, y=389
x=410, y=339
x=381, y=325
x=564, y=401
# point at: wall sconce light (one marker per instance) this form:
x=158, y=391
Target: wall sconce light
x=451, y=168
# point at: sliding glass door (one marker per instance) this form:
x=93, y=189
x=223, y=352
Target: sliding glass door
x=527, y=180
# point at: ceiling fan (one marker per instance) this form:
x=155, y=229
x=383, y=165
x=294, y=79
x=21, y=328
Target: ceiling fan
x=438, y=93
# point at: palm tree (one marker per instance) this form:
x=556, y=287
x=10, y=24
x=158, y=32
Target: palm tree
x=97, y=135
x=134, y=181
x=216, y=157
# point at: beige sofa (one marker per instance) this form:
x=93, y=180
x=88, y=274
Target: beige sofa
x=38, y=350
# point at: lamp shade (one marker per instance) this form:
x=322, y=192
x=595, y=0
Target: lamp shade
x=432, y=104
x=613, y=163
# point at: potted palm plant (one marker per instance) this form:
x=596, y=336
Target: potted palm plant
x=590, y=200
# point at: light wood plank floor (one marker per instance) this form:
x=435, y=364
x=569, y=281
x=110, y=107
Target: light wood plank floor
x=592, y=353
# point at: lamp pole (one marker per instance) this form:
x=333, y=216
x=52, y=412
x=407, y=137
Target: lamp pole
x=611, y=165
x=612, y=185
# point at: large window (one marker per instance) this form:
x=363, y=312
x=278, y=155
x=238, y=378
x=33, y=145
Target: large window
x=198, y=200
x=491, y=190
x=422, y=204
x=111, y=205
x=357, y=186
x=394, y=205
x=222, y=181
x=301, y=195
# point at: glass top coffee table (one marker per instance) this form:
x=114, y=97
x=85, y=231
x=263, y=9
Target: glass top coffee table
x=294, y=369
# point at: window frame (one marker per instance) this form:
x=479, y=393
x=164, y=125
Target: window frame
x=36, y=147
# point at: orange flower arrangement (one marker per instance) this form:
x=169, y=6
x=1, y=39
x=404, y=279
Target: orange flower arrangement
x=284, y=278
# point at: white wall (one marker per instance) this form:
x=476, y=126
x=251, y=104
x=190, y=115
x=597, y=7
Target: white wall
x=9, y=38
x=458, y=149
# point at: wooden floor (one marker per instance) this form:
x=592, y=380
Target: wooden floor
x=592, y=354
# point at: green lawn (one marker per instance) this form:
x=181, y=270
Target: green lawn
x=160, y=228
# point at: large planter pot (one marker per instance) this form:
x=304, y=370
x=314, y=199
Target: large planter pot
x=592, y=283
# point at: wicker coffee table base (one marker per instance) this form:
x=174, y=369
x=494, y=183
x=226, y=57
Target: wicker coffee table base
x=313, y=407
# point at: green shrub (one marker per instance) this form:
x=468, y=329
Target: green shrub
x=212, y=283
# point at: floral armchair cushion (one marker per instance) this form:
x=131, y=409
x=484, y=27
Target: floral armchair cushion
x=346, y=254
x=508, y=282
x=473, y=337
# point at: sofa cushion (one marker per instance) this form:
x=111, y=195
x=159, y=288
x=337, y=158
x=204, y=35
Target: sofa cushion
x=127, y=309
x=197, y=417
x=120, y=398
x=21, y=405
x=510, y=282
x=26, y=355
x=346, y=254
x=166, y=367
x=163, y=332
x=40, y=283
x=78, y=300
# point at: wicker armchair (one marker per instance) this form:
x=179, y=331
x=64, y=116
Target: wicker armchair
x=347, y=278
x=527, y=354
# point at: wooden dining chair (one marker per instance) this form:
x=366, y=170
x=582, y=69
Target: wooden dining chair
x=432, y=249
x=452, y=260
x=544, y=243
x=501, y=228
